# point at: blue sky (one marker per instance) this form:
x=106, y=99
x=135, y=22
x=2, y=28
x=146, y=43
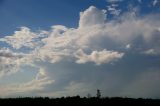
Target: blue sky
x=42, y=14
x=63, y=48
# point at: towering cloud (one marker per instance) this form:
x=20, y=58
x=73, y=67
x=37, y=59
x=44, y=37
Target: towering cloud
x=92, y=16
x=61, y=49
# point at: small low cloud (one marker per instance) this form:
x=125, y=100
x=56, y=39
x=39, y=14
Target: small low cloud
x=112, y=1
x=128, y=46
x=152, y=52
x=140, y=1
x=113, y=10
x=155, y=2
x=98, y=57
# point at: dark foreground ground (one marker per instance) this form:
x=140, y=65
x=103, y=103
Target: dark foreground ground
x=77, y=101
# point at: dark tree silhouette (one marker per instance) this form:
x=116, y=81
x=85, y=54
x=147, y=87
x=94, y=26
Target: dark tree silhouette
x=80, y=101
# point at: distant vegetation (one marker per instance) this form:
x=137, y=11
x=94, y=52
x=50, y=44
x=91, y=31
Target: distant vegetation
x=78, y=101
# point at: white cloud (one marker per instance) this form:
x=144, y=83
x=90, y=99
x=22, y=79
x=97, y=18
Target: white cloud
x=114, y=1
x=155, y=2
x=5, y=52
x=92, y=16
x=128, y=46
x=22, y=38
x=140, y=1
x=9, y=61
x=112, y=10
x=114, y=5
x=152, y=52
x=61, y=42
x=99, y=57
x=37, y=84
x=96, y=40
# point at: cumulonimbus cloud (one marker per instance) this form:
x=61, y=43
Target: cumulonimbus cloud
x=94, y=34
x=95, y=40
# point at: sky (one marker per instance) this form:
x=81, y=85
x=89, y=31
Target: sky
x=58, y=48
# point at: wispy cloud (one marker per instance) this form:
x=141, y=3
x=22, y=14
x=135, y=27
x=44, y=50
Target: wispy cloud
x=114, y=1
x=155, y=2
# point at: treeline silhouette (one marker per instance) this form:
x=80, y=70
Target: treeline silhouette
x=80, y=101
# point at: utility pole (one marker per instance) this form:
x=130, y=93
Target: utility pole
x=89, y=95
x=98, y=93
